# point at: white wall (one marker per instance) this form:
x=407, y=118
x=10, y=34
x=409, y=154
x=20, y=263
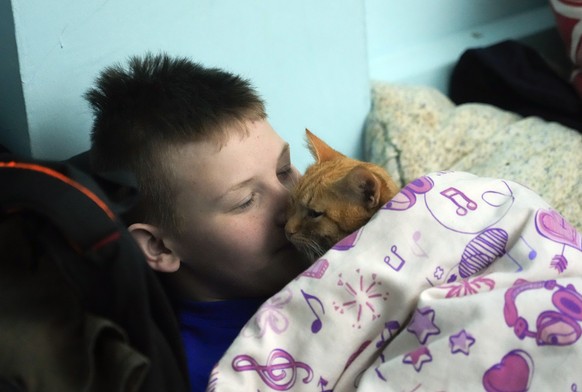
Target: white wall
x=307, y=59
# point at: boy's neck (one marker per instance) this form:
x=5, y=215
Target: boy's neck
x=180, y=287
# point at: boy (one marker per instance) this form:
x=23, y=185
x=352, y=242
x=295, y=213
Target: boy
x=213, y=178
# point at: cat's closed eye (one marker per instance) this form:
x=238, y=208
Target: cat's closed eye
x=313, y=214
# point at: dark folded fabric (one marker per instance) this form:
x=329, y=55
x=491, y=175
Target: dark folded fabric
x=515, y=77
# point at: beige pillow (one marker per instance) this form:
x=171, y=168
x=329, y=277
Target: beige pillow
x=414, y=130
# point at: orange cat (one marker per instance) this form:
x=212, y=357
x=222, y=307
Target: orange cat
x=336, y=196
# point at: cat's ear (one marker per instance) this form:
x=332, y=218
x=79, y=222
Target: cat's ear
x=320, y=151
x=362, y=186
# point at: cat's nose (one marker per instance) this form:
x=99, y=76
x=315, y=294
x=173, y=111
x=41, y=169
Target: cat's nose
x=290, y=229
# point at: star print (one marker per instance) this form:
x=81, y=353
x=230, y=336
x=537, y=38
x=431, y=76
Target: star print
x=461, y=342
x=418, y=357
x=422, y=324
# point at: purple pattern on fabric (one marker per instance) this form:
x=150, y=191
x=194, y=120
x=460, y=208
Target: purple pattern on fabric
x=422, y=324
x=363, y=296
x=461, y=342
x=270, y=315
x=280, y=371
x=554, y=227
x=512, y=374
x=468, y=287
x=317, y=270
x=418, y=358
x=348, y=242
x=317, y=324
x=482, y=251
x=406, y=198
x=396, y=262
x=556, y=327
x=460, y=200
x=462, y=214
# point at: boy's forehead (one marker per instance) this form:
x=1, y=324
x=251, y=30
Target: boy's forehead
x=200, y=147
x=238, y=155
x=237, y=131
x=243, y=136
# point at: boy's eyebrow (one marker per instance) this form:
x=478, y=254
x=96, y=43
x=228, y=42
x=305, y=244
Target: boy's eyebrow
x=284, y=151
x=235, y=188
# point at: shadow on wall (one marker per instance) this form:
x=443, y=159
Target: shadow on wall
x=13, y=124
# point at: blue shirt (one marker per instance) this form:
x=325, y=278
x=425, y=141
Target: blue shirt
x=208, y=329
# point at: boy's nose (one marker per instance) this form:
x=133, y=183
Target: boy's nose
x=282, y=199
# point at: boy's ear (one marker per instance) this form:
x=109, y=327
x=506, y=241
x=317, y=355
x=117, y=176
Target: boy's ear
x=149, y=239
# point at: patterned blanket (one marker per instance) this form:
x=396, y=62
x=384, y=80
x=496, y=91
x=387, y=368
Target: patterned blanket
x=459, y=283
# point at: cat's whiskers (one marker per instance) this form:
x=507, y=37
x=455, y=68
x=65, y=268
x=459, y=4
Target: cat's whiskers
x=309, y=247
x=314, y=250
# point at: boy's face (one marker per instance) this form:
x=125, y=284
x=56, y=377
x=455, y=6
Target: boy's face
x=232, y=204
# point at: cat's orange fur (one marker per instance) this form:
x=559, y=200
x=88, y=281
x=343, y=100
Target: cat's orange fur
x=336, y=196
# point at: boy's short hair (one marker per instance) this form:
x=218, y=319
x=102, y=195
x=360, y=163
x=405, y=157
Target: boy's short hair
x=156, y=103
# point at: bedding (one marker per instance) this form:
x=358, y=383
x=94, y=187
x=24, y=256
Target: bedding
x=413, y=130
x=461, y=282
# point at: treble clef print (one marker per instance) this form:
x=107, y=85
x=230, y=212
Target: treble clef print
x=280, y=371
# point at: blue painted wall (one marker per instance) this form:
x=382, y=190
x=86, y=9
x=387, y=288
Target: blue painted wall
x=312, y=61
x=308, y=60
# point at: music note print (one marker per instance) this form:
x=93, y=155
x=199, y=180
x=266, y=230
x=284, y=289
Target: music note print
x=280, y=371
x=396, y=266
x=317, y=323
x=417, y=250
x=451, y=193
x=532, y=252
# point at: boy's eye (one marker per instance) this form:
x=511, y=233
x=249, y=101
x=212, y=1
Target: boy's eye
x=285, y=172
x=247, y=204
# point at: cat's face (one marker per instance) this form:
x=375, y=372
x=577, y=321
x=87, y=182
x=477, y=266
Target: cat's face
x=336, y=196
